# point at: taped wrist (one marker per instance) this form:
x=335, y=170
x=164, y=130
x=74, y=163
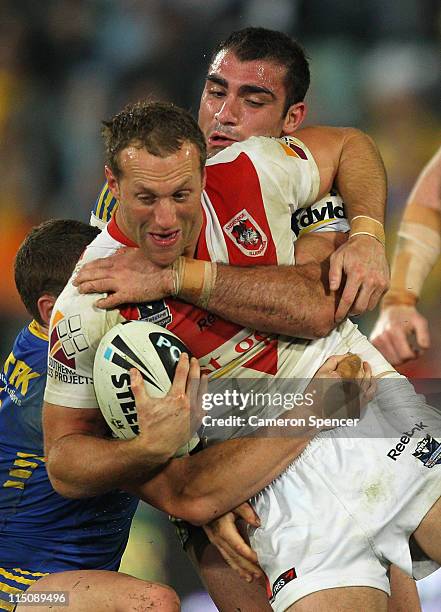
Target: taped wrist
x=363, y=225
x=417, y=250
x=194, y=280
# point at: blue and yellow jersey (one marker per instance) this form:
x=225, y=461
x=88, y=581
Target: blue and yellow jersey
x=40, y=531
x=104, y=207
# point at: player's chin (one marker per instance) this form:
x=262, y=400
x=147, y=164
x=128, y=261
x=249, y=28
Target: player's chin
x=165, y=257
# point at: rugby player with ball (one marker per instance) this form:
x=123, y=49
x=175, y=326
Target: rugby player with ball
x=156, y=170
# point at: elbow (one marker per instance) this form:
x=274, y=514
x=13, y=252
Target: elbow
x=62, y=485
x=323, y=327
x=198, y=511
x=67, y=490
x=315, y=327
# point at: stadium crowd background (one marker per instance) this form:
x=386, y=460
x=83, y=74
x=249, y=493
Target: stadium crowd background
x=67, y=64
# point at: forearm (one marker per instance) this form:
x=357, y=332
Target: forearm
x=419, y=237
x=205, y=485
x=417, y=250
x=81, y=465
x=290, y=300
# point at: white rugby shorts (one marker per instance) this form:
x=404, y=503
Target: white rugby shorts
x=344, y=510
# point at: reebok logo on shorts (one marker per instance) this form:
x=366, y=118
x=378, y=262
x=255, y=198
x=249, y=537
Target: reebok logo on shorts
x=428, y=451
x=279, y=583
x=395, y=452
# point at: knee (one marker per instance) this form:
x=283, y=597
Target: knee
x=158, y=596
x=169, y=599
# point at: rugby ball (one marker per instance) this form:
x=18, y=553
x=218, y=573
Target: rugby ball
x=155, y=352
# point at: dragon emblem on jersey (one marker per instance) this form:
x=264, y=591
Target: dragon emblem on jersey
x=428, y=451
x=246, y=234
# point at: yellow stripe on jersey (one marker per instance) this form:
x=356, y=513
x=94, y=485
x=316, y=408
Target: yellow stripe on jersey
x=28, y=573
x=6, y=588
x=101, y=197
x=36, y=329
x=288, y=150
x=19, y=579
x=31, y=456
x=108, y=213
x=310, y=228
x=24, y=463
x=13, y=484
x=20, y=473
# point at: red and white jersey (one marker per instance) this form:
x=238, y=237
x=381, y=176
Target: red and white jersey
x=253, y=188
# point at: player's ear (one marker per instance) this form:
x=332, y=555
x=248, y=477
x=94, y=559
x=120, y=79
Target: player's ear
x=294, y=118
x=112, y=181
x=45, y=305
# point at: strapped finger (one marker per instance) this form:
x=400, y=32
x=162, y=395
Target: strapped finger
x=330, y=364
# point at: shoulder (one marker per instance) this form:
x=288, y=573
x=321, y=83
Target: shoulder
x=263, y=147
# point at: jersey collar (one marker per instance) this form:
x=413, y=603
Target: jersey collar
x=37, y=330
x=117, y=234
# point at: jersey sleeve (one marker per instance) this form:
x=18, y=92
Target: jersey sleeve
x=76, y=329
x=286, y=169
x=104, y=208
x=326, y=215
x=303, y=172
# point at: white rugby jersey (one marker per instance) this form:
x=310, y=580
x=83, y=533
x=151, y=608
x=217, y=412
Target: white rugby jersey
x=253, y=189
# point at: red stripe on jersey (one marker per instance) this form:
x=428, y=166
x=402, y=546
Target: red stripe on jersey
x=199, y=329
x=233, y=187
x=117, y=234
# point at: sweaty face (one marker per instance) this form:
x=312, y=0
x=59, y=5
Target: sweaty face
x=241, y=99
x=160, y=200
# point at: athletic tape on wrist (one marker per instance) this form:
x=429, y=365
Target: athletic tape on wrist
x=363, y=225
x=194, y=280
x=417, y=250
